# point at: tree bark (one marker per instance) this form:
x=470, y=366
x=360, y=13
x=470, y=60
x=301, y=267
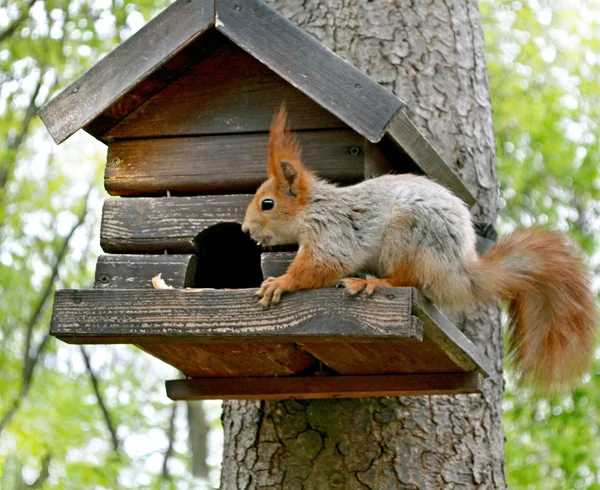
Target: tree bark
x=431, y=54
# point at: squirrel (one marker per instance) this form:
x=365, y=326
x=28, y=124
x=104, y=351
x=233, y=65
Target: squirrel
x=409, y=231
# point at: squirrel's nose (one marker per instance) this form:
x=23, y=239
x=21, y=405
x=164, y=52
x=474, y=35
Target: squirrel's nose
x=245, y=228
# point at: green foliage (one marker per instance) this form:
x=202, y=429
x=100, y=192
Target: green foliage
x=544, y=72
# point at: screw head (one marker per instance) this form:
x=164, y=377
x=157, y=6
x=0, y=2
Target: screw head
x=104, y=278
x=77, y=300
x=355, y=150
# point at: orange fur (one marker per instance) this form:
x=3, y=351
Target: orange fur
x=290, y=196
x=552, y=309
x=284, y=147
x=305, y=272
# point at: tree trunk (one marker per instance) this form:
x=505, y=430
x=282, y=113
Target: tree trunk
x=431, y=54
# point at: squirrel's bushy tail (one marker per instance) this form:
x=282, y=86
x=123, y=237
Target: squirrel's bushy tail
x=552, y=309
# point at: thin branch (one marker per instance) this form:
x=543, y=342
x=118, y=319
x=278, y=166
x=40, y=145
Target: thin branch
x=31, y=354
x=171, y=435
x=9, y=31
x=44, y=473
x=29, y=357
x=105, y=413
x=15, y=143
x=198, y=430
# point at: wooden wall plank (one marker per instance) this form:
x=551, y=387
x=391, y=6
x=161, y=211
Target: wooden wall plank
x=308, y=65
x=137, y=271
x=274, y=264
x=233, y=359
x=216, y=164
x=195, y=315
x=126, y=66
x=324, y=387
x=165, y=223
x=228, y=91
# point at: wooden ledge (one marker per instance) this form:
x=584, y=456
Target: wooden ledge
x=224, y=334
x=313, y=387
x=201, y=315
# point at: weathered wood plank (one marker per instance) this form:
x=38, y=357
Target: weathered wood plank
x=233, y=359
x=274, y=264
x=440, y=330
x=308, y=65
x=166, y=223
x=137, y=271
x=228, y=91
x=324, y=387
x=216, y=164
x=305, y=317
x=196, y=315
x=384, y=357
x=406, y=135
x=126, y=66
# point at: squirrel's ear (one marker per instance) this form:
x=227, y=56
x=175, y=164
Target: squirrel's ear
x=290, y=179
x=283, y=148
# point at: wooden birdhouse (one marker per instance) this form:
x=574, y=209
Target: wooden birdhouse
x=184, y=107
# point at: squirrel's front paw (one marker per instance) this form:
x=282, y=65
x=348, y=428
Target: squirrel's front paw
x=271, y=290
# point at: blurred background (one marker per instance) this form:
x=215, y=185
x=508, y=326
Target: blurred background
x=98, y=417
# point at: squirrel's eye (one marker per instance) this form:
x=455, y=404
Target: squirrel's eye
x=267, y=204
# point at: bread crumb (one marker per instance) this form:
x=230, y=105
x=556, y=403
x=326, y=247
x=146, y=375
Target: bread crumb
x=159, y=283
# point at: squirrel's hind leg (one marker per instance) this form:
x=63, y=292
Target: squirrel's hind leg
x=355, y=285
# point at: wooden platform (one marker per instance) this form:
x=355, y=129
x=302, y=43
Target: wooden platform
x=315, y=344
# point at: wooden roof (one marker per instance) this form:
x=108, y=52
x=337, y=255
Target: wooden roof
x=286, y=49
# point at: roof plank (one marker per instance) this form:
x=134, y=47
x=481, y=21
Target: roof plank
x=308, y=65
x=135, y=59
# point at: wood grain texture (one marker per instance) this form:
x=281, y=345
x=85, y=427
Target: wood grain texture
x=407, y=136
x=228, y=91
x=440, y=330
x=308, y=65
x=153, y=84
x=383, y=357
x=146, y=225
x=137, y=271
x=314, y=387
x=224, y=163
x=134, y=316
x=126, y=66
x=233, y=359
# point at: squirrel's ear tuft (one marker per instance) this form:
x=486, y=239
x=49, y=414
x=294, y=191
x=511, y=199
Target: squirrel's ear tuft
x=283, y=146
